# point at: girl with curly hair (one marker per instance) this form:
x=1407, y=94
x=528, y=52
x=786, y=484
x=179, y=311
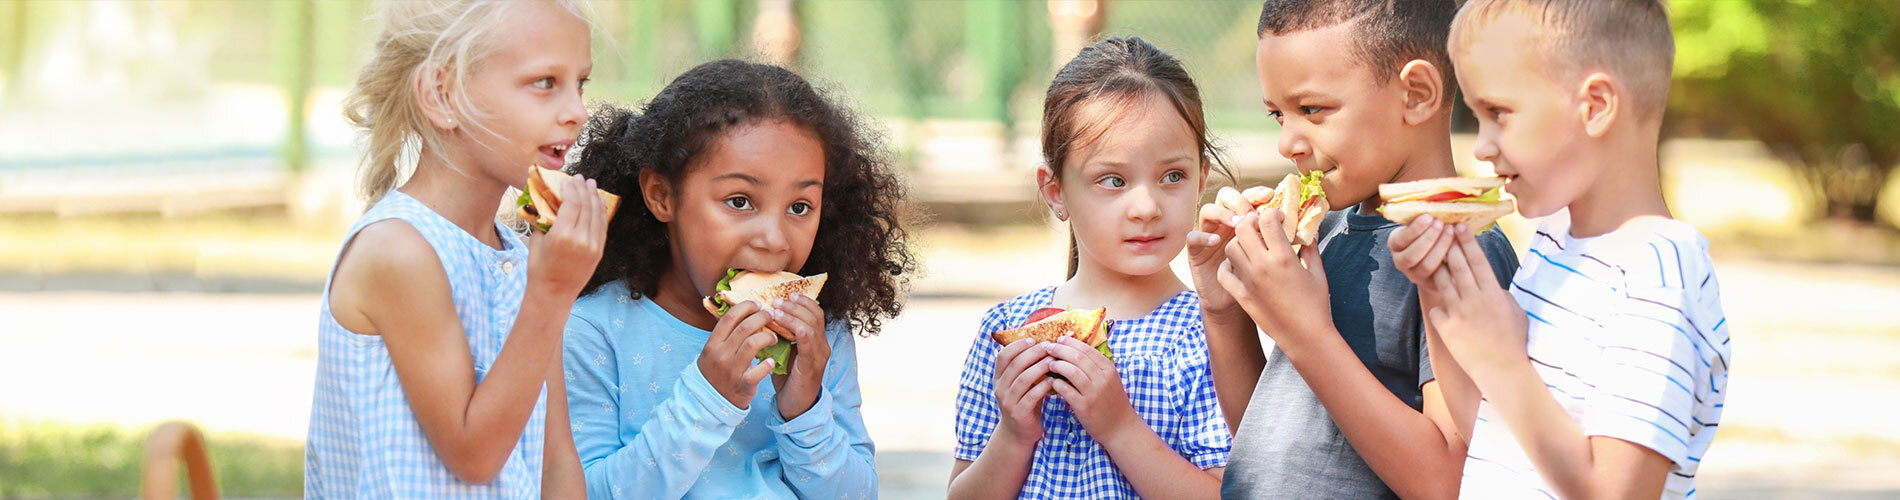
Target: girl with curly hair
x=738, y=166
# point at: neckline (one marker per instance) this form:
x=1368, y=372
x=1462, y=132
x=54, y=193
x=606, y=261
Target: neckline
x=510, y=242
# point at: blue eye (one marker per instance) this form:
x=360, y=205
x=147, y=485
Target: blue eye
x=739, y=203
x=1174, y=176
x=1309, y=109
x=800, y=208
x=1111, y=182
x=544, y=83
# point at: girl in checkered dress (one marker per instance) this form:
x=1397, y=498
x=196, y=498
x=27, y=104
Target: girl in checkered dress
x=439, y=336
x=1126, y=157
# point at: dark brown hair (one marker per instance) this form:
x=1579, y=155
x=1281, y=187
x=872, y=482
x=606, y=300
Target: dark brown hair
x=1387, y=33
x=860, y=241
x=1122, y=71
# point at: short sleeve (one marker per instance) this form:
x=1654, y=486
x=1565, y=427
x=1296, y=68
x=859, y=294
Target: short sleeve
x=1646, y=374
x=1201, y=435
x=977, y=414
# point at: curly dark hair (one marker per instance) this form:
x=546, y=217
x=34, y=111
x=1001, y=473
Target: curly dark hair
x=861, y=239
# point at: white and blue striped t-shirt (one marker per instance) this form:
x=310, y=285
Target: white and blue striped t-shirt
x=1627, y=331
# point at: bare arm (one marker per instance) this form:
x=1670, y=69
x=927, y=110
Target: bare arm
x=561, y=475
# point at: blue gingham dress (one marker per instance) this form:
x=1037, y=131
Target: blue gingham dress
x=364, y=440
x=1162, y=360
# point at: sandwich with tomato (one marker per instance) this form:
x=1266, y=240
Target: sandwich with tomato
x=1301, y=202
x=1476, y=202
x=1051, y=324
x=541, y=199
x=740, y=285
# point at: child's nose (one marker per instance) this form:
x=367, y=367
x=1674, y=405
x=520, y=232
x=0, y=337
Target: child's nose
x=1293, y=144
x=1144, y=204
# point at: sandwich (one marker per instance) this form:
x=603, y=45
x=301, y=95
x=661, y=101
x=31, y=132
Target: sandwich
x=764, y=288
x=1301, y=202
x=541, y=199
x=1051, y=324
x=1475, y=202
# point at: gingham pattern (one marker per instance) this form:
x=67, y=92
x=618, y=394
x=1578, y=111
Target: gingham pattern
x=1162, y=360
x=364, y=441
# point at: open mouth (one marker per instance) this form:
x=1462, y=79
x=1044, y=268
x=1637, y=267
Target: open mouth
x=555, y=155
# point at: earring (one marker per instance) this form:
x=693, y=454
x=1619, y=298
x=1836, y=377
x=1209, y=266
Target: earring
x=1060, y=215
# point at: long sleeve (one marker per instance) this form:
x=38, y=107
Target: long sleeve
x=669, y=452
x=826, y=452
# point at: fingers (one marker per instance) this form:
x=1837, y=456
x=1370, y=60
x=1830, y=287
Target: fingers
x=753, y=335
x=1273, y=223
x=1309, y=257
x=1247, y=240
x=1067, y=391
x=1231, y=200
x=1203, y=246
x=596, y=214
x=1438, y=317
x=1257, y=195
x=1075, y=373
x=757, y=372
x=1474, y=257
x=1031, y=398
x=1441, y=245
x=728, y=324
x=1441, y=282
x=1015, y=358
x=1402, y=239
x=802, y=311
x=1461, y=273
x=1027, y=379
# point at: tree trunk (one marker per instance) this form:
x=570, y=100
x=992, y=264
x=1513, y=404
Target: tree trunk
x=1847, y=184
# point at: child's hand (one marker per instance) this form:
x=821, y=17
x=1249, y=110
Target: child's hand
x=562, y=260
x=726, y=361
x=1480, y=322
x=1022, y=381
x=1419, y=248
x=1285, y=293
x=798, y=390
x=1093, y=390
x=1206, y=249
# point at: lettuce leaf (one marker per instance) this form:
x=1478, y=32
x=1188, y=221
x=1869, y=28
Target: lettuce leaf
x=724, y=285
x=1310, y=187
x=780, y=354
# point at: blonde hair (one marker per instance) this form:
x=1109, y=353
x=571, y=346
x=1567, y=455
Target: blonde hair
x=449, y=36
x=1629, y=38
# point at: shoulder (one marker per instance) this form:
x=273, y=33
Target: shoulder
x=599, y=308
x=387, y=260
x=1657, y=253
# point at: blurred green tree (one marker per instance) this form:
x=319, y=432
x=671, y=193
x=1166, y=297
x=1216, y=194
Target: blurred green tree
x=1818, y=83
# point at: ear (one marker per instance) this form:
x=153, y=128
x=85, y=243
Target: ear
x=1051, y=189
x=1205, y=169
x=1599, y=100
x=1423, y=87
x=432, y=96
x=658, y=194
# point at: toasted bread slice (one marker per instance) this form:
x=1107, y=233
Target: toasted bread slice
x=1475, y=216
x=1472, y=185
x=764, y=289
x=1083, y=324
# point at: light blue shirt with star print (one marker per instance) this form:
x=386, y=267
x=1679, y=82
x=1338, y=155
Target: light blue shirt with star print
x=648, y=424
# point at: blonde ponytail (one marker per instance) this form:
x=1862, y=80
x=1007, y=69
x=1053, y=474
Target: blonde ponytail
x=447, y=36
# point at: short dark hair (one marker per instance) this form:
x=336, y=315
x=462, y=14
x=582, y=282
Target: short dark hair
x=861, y=240
x=1386, y=33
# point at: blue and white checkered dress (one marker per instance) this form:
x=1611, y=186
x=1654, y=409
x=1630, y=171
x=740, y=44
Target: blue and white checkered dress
x=1162, y=359
x=364, y=440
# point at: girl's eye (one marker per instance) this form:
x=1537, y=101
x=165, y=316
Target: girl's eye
x=544, y=83
x=1276, y=114
x=1111, y=182
x=739, y=203
x=1307, y=110
x=1174, y=176
x=800, y=208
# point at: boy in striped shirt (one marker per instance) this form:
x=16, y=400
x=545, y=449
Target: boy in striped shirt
x=1604, y=364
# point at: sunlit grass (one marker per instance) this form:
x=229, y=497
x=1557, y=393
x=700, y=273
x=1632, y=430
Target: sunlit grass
x=53, y=460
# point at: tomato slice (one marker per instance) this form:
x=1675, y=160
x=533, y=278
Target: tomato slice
x=1043, y=313
x=1445, y=196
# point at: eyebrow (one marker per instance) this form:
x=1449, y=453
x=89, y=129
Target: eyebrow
x=806, y=184
x=740, y=176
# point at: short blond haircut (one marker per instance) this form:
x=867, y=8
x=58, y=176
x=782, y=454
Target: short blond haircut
x=453, y=36
x=1626, y=38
